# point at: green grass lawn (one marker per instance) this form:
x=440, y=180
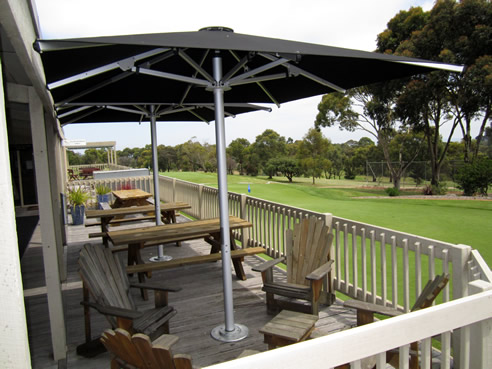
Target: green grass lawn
x=466, y=222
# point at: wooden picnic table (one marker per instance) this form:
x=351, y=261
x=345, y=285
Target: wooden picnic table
x=134, y=197
x=209, y=229
x=168, y=211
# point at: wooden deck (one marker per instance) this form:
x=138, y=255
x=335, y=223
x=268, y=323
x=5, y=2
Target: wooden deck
x=199, y=305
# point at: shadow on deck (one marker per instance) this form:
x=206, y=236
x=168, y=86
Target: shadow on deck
x=199, y=305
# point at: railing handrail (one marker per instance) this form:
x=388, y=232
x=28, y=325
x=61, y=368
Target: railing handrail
x=332, y=350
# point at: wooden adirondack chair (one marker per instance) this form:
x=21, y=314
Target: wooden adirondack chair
x=106, y=280
x=308, y=263
x=366, y=311
x=139, y=352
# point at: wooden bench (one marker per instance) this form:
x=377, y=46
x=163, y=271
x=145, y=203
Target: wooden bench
x=150, y=267
x=122, y=220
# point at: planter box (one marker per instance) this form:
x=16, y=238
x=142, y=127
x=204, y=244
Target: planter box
x=78, y=213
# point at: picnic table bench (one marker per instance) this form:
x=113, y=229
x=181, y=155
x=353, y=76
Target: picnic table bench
x=116, y=216
x=209, y=229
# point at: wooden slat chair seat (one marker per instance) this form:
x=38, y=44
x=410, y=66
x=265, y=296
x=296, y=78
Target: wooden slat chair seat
x=106, y=279
x=308, y=269
x=138, y=351
x=366, y=311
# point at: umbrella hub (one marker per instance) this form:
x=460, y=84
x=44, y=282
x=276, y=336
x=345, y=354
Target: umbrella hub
x=217, y=28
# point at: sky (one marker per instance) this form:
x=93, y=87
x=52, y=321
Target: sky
x=352, y=24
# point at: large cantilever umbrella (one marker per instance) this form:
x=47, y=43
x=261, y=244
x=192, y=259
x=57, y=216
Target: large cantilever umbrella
x=209, y=68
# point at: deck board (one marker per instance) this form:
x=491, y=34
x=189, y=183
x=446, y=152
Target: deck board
x=199, y=305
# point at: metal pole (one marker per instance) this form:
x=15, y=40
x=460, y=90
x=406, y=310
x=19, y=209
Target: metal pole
x=155, y=170
x=228, y=332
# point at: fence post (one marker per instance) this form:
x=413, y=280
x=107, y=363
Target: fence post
x=174, y=190
x=201, y=210
x=460, y=289
x=480, y=333
x=244, y=215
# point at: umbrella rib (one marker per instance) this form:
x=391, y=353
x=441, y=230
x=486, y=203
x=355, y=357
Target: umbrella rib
x=176, y=77
x=246, y=75
x=126, y=110
x=297, y=70
x=123, y=63
x=198, y=116
x=73, y=111
x=269, y=77
x=260, y=85
x=188, y=88
x=83, y=116
x=94, y=88
x=195, y=66
x=241, y=63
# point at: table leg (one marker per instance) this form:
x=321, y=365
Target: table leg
x=215, y=242
x=134, y=257
x=104, y=229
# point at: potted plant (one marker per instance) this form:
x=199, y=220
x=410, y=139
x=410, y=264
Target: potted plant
x=102, y=193
x=77, y=199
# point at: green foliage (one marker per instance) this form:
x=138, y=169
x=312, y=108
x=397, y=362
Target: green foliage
x=432, y=189
x=313, y=150
x=78, y=196
x=391, y=191
x=475, y=177
x=102, y=189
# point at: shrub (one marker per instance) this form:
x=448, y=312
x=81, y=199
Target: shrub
x=102, y=189
x=440, y=189
x=391, y=191
x=78, y=196
x=475, y=177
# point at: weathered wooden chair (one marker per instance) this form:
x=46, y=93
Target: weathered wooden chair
x=307, y=249
x=138, y=351
x=105, y=279
x=366, y=311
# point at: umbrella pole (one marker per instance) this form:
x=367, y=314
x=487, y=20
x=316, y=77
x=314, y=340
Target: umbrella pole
x=155, y=171
x=228, y=332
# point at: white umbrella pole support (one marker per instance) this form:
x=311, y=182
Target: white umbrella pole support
x=228, y=332
x=155, y=170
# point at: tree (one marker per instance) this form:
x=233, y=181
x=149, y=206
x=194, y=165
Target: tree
x=377, y=117
x=166, y=157
x=237, y=151
x=313, y=151
x=429, y=101
x=269, y=145
x=288, y=167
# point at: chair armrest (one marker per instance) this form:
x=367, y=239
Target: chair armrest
x=114, y=311
x=319, y=273
x=155, y=286
x=373, y=308
x=268, y=264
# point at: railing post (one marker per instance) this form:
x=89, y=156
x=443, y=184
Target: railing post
x=244, y=215
x=201, y=209
x=480, y=333
x=174, y=189
x=460, y=259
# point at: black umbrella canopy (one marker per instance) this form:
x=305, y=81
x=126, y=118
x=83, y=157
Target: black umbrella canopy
x=176, y=68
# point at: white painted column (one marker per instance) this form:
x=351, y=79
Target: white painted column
x=48, y=228
x=14, y=342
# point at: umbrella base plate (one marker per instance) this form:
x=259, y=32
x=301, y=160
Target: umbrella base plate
x=239, y=333
x=161, y=258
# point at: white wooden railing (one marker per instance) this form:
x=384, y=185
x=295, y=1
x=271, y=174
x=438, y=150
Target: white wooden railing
x=371, y=263
x=100, y=166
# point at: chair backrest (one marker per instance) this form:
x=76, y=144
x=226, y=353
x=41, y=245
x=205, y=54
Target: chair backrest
x=138, y=351
x=105, y=277
x=307, y=248
x=431, y=291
